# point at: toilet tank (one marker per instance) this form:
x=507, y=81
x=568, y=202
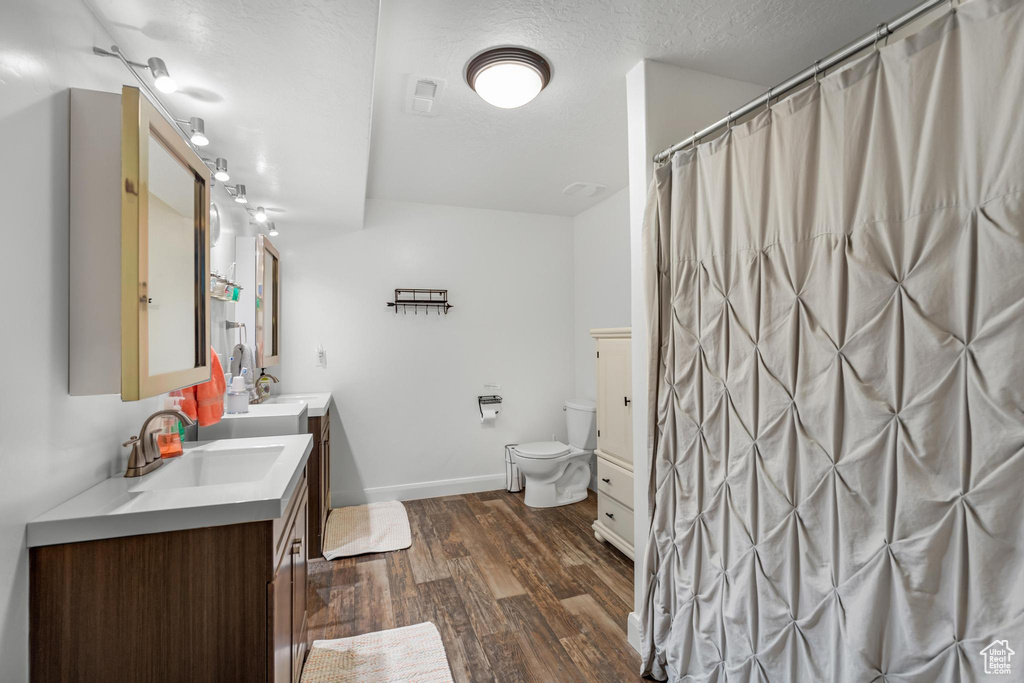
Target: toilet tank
x=581, y=421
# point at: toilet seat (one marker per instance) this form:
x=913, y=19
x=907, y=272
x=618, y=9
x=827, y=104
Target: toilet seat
x=542, y=450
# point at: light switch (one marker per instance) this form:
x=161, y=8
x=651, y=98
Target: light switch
x=321, y=356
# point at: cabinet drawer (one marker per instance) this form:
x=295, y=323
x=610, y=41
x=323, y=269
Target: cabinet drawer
x=616, y=516
x=615, y=481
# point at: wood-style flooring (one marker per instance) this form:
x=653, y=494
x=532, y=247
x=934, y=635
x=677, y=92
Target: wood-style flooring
x=518, y=594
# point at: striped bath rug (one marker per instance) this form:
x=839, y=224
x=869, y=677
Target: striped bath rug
x=372, y=528
x=411, y=653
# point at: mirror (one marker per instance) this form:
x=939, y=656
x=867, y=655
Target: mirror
x=172, y=264
x=268, y=303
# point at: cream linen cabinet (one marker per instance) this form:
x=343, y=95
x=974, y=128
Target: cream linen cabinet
x=614, y=439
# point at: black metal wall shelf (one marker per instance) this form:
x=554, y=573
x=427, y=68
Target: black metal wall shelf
x=427, y=299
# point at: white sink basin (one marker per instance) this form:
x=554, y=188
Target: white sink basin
x=318, y=403
x=263, y=419
x=212, y=468
x=211, y=484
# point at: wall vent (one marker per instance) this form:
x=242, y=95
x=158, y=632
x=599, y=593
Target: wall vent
x=424, y=95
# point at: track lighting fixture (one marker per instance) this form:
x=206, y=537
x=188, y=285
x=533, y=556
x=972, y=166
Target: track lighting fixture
x=272, y=229
x=161, y=77
x=197, y=131
x=220, y=168
x=240, y=194
x=261, y=215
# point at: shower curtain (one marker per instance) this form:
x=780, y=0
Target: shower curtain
x=835, y=294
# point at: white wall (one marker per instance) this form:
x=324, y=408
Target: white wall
x=405, y=422
x=664, y=104
x=600, y=280
x=52, y=445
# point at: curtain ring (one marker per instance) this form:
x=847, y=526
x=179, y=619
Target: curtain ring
x=728, y=121
x=882, y=28
x=768, y=101
x=953, y=5
x=694, y=138
x=817, y=65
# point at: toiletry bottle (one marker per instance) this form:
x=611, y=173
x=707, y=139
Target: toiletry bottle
x=168, y=437
x=238, y=395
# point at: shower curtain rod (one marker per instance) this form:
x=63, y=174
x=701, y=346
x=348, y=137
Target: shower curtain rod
x=868, y=40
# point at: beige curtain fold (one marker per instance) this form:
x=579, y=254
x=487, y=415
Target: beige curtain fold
x=835, y=293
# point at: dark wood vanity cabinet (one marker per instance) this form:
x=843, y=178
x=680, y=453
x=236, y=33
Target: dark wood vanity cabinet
x=218, y=604
x=319, y=469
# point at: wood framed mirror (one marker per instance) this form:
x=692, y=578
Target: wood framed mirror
x=165, y=255
x=268, y=303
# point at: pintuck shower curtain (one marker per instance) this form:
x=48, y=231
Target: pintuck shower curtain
x=835, y=293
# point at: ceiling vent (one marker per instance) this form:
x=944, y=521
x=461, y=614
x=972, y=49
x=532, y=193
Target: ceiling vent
x=424, y=95
x=584, y=189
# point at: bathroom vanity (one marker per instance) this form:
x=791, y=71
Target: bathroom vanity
x=195, y=572
x=318, y=469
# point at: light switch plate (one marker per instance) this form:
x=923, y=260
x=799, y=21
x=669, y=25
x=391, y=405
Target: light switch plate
x=321, y=356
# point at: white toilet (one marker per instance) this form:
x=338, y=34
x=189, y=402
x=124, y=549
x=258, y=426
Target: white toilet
x=556, y=473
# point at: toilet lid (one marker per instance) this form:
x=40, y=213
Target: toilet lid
x=542, y=449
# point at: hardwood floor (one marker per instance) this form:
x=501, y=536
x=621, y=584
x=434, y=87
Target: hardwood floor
x=518, y=594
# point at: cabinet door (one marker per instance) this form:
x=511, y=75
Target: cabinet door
x=325, y=479
x=614, y=400
x=298, y=600
x=280, y=622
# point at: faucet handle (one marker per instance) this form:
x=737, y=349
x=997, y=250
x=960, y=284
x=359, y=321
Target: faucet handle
x=136, y=461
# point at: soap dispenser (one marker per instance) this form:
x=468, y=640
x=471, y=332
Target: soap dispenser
x=238, y=395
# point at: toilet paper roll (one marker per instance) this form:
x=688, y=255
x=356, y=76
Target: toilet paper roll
x=490, y=415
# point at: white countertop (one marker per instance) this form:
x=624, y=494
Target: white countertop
x=206, y=486
x=318, y=403
x=262, y=419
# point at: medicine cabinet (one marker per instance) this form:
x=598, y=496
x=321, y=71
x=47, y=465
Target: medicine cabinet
x=259, y=306
x=139, y=250
x=268, y=303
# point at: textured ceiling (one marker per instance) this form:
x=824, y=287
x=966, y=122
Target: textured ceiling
x=472, y=154
x=285, y=89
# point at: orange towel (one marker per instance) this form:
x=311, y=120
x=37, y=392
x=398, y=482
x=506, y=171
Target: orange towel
x=205, y=402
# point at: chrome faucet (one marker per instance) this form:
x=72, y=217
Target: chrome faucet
x=145, y=455
x=263, y=388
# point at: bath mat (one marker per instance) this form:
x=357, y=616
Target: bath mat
x=372, y=528
x=410, y=653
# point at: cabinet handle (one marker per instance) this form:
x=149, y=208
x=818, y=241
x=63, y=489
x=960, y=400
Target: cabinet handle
x=607, y=481
x=608, y=514
x=626, y=401
x=296, y=546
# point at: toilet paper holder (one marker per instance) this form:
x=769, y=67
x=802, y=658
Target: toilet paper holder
x=488, y=400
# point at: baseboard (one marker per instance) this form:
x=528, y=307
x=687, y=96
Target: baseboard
x=426, y=489
x=633, y=630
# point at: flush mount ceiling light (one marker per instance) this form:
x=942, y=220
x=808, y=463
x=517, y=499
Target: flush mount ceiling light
x=508, y=77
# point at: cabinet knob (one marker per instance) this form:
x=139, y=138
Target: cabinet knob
x=607, y=481
x=626, y=401
x=608, y=514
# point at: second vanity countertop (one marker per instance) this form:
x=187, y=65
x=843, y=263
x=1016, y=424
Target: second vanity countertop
x=317, y=402
x=211, y=484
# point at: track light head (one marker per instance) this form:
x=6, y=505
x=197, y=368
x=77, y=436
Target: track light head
x=197, y=132
x=240, y=194
x=161, y=78
x=272, y=229
x=220, y=170
x=261, y=215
